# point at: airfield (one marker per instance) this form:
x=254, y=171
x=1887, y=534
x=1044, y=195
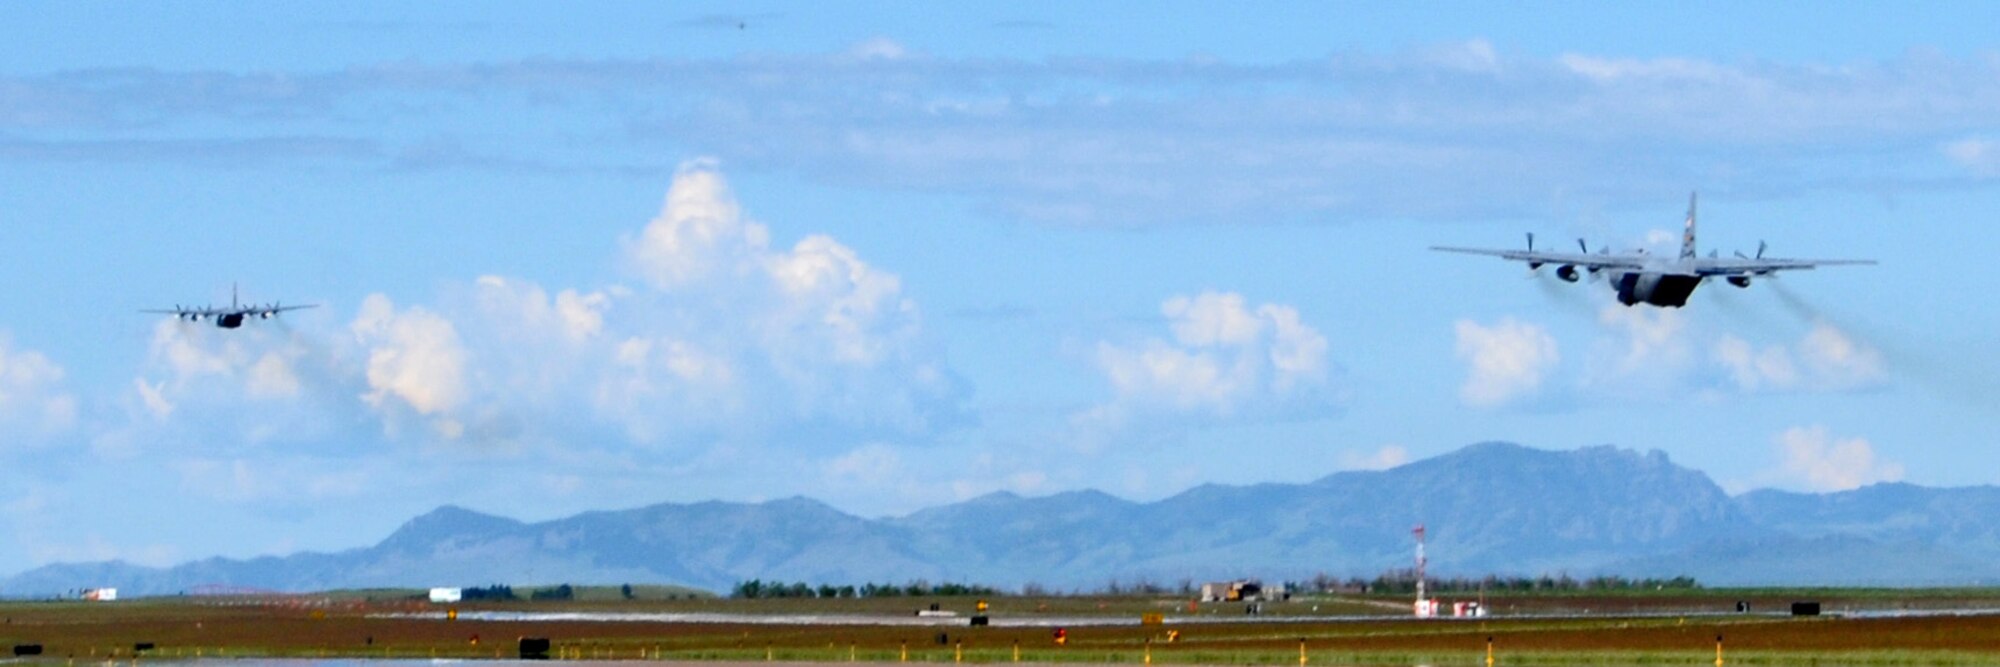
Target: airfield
x=1857, y=627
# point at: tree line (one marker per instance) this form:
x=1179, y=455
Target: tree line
x=1393, y=582
x=758, y=589
x=1404, y=581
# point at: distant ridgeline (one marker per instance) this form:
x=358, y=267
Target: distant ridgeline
x=1600, y=512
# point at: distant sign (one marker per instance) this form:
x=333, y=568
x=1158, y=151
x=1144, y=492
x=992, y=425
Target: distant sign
x=100, y=594
x=446, y=595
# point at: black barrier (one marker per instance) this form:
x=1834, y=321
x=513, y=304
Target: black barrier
x=1805, y=609
x=534, y=648
x=979, y=620
x=27, y=649
x=142, y=646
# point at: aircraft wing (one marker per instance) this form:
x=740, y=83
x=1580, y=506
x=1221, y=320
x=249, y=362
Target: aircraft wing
x=1540, y=257
x=239, y=310
x=1738, y=266
x=205, y=312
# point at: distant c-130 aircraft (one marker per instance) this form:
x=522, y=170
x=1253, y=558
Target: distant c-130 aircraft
x=1639, y=277
x=232, y=316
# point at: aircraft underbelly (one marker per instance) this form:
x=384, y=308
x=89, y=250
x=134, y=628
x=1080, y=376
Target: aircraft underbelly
x=1658, y=289
x=1673, y=290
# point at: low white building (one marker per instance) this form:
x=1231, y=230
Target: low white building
x=447, y=595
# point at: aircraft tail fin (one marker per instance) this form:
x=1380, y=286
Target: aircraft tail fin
x=1687, y=237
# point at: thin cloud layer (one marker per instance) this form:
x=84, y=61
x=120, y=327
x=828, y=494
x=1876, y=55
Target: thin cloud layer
x=1093, y=141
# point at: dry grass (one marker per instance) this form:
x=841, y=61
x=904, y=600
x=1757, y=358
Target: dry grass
x=353, y=628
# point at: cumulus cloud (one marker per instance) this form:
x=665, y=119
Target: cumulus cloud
x=1826, y=359
x=700, y=232
x=214, y=389
x=1505, y=362
x=260, y=364
x=1646, y=351
x=33, y=404
x=730, y=325
x=568, y=315
x=1225, y=359
x=1822, y=462
x=723, y=348
x=724, y=337
x=415, y=362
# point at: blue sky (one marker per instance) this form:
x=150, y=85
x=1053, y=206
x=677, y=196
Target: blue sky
x=895, y=255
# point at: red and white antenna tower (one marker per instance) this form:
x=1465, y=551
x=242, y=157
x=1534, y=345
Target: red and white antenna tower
x=1422, y=603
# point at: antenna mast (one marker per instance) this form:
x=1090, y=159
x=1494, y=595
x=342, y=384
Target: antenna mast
x=1423, y=608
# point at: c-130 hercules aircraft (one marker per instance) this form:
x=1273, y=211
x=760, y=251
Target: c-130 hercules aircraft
x=1639, y=277
x=231, y=317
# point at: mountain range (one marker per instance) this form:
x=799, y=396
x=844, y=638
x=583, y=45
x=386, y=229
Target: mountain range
x=1490, y=508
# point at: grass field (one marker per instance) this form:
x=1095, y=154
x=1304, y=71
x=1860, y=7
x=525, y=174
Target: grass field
x=1676, y=628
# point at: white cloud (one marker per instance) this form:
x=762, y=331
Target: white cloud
x=1657, y=70
x=873, y=464
x=261, y=363
x=1225, y=359
x=725, y=338
x=1388, y=456
x=879, y=48
x=1821, y=462
x=414, y=361
x=571, y=315
x=854, y=311
x=1506, y=362
x=33, y=405
x=211, y=389
x=736, y=335
x=1649, y=352
x=699, y=233
x=1826, y=359
x=1977, y=154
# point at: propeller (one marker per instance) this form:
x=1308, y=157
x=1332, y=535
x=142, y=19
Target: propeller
x=1580, y=246
x=1531, y=241
x=1760, y=249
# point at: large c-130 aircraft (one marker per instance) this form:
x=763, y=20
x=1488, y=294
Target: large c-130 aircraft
x=1639, y=277
x=232, y=316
